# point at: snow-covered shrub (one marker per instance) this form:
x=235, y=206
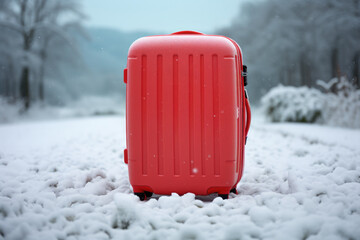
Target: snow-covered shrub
x=292, y=104
x=342, y=108
x=339, y=105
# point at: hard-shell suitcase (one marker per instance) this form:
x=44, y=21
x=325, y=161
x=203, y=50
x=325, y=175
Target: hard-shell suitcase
x=187, y=114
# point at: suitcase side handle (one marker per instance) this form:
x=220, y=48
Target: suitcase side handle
x=248, y=114
x=187, y=32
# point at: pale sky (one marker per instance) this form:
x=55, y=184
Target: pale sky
x=162, y=16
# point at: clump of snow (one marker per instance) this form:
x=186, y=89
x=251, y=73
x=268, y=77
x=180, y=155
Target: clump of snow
x=338, y=106
x=126, y=212
x=67, y=180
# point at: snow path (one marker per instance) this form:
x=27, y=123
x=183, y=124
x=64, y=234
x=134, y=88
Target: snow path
x=67, y=180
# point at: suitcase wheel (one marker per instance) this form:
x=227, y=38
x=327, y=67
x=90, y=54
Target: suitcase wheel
x=224, y=196
x=141, y=195
x=148, y=194
x=234, y=191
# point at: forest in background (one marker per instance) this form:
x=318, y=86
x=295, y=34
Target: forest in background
x=298, y=42
x=49, y=57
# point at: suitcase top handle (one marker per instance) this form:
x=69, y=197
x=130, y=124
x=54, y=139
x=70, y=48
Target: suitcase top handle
x=186, y=32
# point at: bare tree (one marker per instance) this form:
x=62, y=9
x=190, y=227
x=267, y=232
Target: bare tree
x=30, y=20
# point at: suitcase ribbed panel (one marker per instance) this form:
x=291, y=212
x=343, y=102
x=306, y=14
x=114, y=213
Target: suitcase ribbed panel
x=144, y=114
x=160, y=150
x=202, y=100
x=176, y=115
x=201, y=124
x=168, y=114
x=191, y=114
x=183, y=114
x=216, y=111
x=202, y=154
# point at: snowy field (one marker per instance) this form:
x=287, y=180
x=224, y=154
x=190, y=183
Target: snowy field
x=66, y=179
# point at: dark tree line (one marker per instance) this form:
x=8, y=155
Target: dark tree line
x=298, y=42
x=34, y=36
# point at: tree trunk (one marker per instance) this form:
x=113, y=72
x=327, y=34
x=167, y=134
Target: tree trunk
x=7, y=83
x=305, y=72
x=335, y=67
x=289, y=76
x=25, y=87
x=303, y=80
x=28, y=37
x=9, y=79
x=13, y=87
x=43, y=56
x=41, y=84
x=356, y=78
x=309, y=74
x=42, y=71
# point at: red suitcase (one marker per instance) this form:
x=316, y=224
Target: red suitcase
x=187, y=114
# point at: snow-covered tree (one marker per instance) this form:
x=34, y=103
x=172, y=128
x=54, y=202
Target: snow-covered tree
x=41, y=27
x=297, y=42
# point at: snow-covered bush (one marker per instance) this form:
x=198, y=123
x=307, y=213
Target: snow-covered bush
x=292, y=104
x=339, y=105
x=343, y=107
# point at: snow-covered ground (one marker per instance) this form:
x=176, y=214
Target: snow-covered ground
x=83, y=107
x=66, y=179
